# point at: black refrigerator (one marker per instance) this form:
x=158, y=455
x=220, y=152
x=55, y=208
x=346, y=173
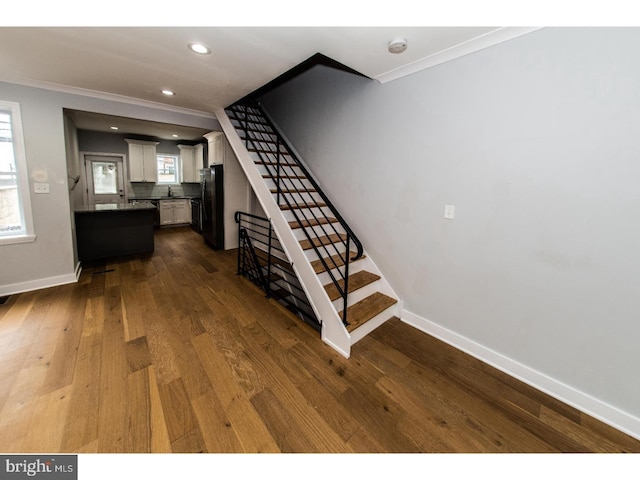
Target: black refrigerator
x=211, y=181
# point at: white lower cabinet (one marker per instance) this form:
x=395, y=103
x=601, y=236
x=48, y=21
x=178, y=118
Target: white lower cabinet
x=175, y=212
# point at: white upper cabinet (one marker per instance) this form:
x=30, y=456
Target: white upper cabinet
x=198, y=151
x=191, y=161
x=143, y=164
x=216, y=148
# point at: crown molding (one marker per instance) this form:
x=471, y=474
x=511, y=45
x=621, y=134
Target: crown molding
x=112, y=97
x=489, y=39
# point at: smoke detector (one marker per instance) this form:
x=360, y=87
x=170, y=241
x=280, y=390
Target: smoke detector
x=397, y=45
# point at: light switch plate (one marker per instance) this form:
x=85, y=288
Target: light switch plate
x=41, y=187
x=449, y=212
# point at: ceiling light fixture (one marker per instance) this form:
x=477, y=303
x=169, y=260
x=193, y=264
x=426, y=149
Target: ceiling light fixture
x=397, y=45
x=199, y=48
x=175, y=135
x=168, y=93
x=113, y=128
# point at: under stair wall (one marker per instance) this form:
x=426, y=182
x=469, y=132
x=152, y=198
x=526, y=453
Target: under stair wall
x=334, y=333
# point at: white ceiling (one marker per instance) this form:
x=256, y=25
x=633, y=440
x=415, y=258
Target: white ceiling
x=137, y=62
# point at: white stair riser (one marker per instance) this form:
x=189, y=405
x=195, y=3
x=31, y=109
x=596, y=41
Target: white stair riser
x=325, y=251
x=286, y=162
x=319, y=231
x=312, y=255
x=362, y=331
x=299, y=197
x=305, y=213
x=356, y=296
x=354, y=267
x=289, y=183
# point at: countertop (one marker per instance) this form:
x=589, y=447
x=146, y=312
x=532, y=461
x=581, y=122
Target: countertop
x=115, y=207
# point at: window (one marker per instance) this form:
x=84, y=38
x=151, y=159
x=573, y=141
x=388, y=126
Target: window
x=105, y=178
x=16, y=224
x=167, y=169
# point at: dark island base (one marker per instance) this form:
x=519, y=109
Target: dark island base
x=104, y=234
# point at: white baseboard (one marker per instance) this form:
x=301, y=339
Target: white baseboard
x=618, y=419
x=22, y=287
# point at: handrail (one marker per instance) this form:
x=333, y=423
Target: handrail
x=292, y=295
x=286, y=189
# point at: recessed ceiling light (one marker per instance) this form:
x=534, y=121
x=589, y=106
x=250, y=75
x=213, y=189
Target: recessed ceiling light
x=199, y=48
x=168, y=93
x=175, y=135
x=113, y=128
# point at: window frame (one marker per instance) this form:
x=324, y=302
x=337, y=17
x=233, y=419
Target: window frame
x=177, y=165
x=27, y=234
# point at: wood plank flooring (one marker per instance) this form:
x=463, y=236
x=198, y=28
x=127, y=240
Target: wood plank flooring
x=173, y=352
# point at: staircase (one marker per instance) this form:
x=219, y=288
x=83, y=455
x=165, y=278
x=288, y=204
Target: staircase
x=345, y=289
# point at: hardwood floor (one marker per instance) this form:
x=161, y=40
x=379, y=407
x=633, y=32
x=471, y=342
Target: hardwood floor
x=175, y=353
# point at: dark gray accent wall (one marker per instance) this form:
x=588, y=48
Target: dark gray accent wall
x=535, y=141
x=92, y=141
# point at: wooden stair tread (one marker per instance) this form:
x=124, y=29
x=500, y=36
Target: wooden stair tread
x=311, y=222
x=302, y=205
x=240, y=117
x=261, y=132
x=261, y=140
x=242, y=128
x=266, y=150
x=264, y=162
x=334, y=261
x=247, y=123
x=295, y=177
x=363, y=311
x=289, y=190
x=323, y=240
x=356, y=281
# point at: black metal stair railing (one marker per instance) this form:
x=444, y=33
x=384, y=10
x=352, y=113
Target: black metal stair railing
x=248, y=262
x=262, y=260
x=331, y=245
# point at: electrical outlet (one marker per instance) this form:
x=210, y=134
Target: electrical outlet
x=41, y=187
x=449, y=212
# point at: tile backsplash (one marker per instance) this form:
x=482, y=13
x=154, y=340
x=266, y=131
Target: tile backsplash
x=139, y=190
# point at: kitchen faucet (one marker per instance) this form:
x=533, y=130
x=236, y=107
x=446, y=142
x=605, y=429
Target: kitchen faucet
x=169, y=193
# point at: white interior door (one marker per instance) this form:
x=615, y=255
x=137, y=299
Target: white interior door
x=105, y=179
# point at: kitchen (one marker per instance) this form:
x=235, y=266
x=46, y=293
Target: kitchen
x=155, y=171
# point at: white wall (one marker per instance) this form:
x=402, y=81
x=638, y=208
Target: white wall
x=50, y=259
x=236, y=195
x=535, y=141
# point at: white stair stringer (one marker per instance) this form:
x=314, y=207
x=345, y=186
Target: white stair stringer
x=334, y=333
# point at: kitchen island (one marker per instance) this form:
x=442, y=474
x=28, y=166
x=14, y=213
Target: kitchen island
x=114, y=229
